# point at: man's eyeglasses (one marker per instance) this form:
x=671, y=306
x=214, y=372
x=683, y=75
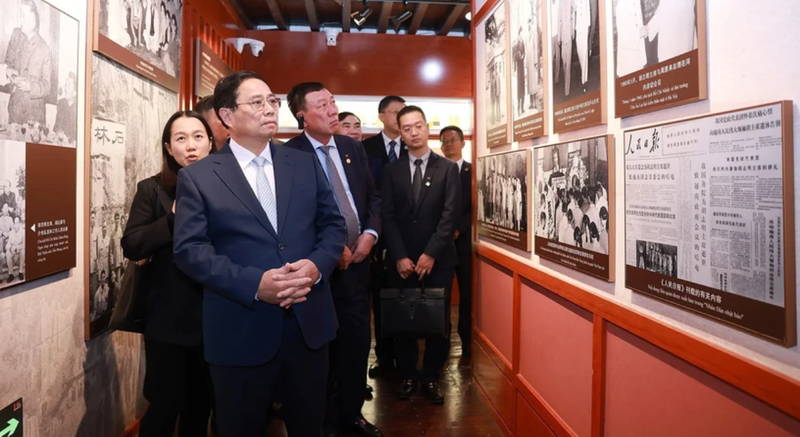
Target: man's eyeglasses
x=258, y=104
x=451, y=140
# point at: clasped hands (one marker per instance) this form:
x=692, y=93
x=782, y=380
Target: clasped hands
x=288, y=284
x=360, y=253
x=423, y=267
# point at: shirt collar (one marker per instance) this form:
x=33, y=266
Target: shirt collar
x=244, y=157
x=387, y=140
x=424, y=157
x=316, y=144
x=460, y=163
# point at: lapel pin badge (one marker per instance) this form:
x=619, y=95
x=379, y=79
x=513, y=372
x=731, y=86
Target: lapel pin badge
x=347, y=158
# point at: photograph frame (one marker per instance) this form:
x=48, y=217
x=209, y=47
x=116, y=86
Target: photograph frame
x=557, y=253
x=789, y=319
x=499, y=233
x=112, y=50
x=537, y=125
x=589, y=109
x=499, y=134
x=641, y=91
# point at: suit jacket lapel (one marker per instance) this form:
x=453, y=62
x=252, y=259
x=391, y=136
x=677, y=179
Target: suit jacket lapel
x=344, y=154
x=430, y=171
x=232, y=176
x=405, y=179
x=283, y=185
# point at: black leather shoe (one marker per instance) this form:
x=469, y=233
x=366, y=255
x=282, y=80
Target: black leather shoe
x=378, y=370
x=433, y=392
x=407, y=389
x=363, y=428
x=368, y=392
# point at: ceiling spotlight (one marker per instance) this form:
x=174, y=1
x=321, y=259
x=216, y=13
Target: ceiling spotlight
x=468, y=16
x=360, y=17
x=398, y=20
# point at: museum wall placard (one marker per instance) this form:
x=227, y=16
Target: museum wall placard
x=209, y=69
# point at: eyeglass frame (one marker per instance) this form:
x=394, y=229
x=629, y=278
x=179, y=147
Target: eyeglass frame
x=266, y=101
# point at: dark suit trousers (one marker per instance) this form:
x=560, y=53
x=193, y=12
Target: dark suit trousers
x=464, y=277
x=178, y=385
x=384, y=346
x=350, y=351
x=436, y=348
x=244, y=394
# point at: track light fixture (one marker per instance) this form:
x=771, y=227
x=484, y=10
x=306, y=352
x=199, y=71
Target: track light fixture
x=405, y=15
x=360, y=17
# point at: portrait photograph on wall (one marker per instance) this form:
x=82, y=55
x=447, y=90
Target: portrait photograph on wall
x=503, y=198
x=12, y=213
x=709, y=217
x=574, y=205
x=659, y=54
x=528, y=94
x=38, y=74
x=496, y=86
x=578, y=64
x=142, y=35
x=128, y=115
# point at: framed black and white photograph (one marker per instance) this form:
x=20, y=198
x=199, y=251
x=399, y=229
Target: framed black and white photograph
x=38, y=74
x=528, y=95
x=496, y=77
x=659, y=53
x=12, y=213
x=142, y=35
x=578, y=62
x=503, y=198
x=574, y=205
x=128, y=115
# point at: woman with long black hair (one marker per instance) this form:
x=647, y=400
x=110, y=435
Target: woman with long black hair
x=177, y=382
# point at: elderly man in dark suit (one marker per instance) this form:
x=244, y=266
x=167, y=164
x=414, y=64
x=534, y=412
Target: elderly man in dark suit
x=421, y=205
x=345, y=164
x=258, y=226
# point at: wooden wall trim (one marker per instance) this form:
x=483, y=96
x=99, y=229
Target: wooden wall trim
x=517, y=320
x=545, y=411
x=133, y=429
x=495, y=355
x=759, y=381
x=499, y=420
x=598, y=376
x=478, y=16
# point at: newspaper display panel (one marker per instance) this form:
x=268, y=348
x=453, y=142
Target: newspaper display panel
x=709, y=217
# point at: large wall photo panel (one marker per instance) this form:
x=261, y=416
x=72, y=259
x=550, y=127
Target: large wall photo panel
x=574, y=205
x=578, y=64
x=529, y=96
x=503, y=198
x=38, y=138
x=128, y=114
x=144, y=36
x=495, y=31
x=709, y=217
x=660, y=54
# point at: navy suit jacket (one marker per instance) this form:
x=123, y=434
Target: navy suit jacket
x=358, y=174
x=224, y=240
x=378, y=159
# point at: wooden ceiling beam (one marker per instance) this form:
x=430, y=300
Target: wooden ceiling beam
x=419, y=13
x=275, y=10
x=239, y=13
x=386, y=12
x=346, y=11
x=311, y=11
x=456, y=12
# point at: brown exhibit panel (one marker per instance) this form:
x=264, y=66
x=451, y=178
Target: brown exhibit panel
x=138, y=65
x=497, y=136
x=585, y=165
x=578, y=114
x=209, y=69
x=647, y=80
x=359, y=64
x=530, y=127
x=709, y=217
x=504, y=198
x=50, y=222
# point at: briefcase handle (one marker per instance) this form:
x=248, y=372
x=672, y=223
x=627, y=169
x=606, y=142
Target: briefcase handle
x=421, y=287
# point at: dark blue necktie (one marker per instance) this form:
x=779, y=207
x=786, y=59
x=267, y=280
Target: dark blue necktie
x=392, y=155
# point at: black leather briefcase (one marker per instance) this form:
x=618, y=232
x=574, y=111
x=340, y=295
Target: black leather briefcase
x=414, y=312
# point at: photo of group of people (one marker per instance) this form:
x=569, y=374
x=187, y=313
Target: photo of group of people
x=575, y=35
x=526, y=55
x=12, y=213
x=502, y=190
x=150, y=29
x=38, y=74
x=127, y=112
x=496, y=70
x=571, y=181
x=648, y=32
x=657, y=258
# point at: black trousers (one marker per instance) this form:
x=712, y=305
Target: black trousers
x=349, y=353
x=436, y=348
x=464, y=277
x=384, y=346
x=244, y=394
x=178, y=385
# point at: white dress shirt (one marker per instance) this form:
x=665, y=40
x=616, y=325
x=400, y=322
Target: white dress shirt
x=387, y=140
x=422, y=167
x=460, y=163
x=337, y=161
x=245, y=157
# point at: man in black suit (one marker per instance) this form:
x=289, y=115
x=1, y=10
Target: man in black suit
x=452, y=138
x=421, y=206
x=382, y=149
x=345, y=165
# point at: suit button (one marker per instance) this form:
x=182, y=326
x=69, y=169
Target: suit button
x=281, y=247
x=415, y=220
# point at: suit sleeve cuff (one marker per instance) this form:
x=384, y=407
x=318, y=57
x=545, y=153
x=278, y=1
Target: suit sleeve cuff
x=372, y=232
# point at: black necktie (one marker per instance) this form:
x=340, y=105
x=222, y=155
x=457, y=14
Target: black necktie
x=416, y=184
